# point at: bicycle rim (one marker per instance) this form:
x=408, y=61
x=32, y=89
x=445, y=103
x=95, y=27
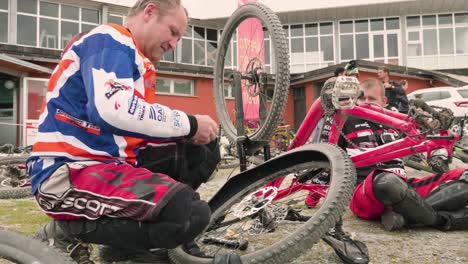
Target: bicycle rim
x=282, y=239
x=271, y=56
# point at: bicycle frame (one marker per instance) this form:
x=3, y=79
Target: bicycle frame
x=413, y=142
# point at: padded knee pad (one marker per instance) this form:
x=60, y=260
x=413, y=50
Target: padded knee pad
x=180, y=221
x=449, y=196
x=388, y=188
x=185, y=216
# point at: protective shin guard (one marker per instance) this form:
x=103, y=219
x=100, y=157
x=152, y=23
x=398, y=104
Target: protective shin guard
x=450, y=196
x=393, y=191
x=416, y=210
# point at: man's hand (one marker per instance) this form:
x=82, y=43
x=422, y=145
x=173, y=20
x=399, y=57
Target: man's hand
x=207, y=130
x=388, y=86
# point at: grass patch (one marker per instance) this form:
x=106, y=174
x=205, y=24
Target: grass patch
x=22, y=215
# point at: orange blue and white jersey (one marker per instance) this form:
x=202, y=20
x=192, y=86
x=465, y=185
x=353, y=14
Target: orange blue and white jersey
x=100, y=105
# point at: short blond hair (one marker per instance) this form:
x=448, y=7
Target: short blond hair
x=371, y=83
x=164, y=6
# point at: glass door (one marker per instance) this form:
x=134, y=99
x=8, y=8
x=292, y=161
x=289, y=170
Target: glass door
x=33, y=97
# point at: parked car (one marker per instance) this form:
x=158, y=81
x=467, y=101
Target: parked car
x=456, y=99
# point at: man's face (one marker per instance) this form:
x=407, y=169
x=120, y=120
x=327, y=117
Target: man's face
x=163, y=32
x=372, y=95
x=381, y=74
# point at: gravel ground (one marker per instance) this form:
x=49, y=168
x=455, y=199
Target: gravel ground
x=421, y=245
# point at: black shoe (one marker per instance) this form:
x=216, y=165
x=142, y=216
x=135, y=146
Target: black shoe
x=392, y=221
x=193, y=249
x=457, y=220
x=349, y=250
x=53, y=234
x=109, y=254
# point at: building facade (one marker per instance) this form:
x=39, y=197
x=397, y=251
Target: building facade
x=422, y=34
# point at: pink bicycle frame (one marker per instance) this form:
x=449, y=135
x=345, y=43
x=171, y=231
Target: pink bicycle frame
x=413, y=142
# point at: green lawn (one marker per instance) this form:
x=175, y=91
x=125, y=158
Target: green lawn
x=21, y=215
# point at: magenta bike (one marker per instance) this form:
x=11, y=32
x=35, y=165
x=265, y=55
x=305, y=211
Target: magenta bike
x=413, y=140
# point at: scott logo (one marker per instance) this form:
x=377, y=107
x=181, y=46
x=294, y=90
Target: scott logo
x=95, y=206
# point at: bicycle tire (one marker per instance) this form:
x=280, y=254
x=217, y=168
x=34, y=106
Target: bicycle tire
x=281, y=58
x=13, y=192
x=303, y=238
x=20, y=248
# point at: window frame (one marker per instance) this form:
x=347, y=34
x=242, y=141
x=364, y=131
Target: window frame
x=7, y=11
x=385, y=32
x=440, y=60
x=59, y=20
x=172, y=87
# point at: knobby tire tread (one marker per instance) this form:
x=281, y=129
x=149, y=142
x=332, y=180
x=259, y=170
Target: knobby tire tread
x=280, y=48
x=339, y=194
x=23, y=249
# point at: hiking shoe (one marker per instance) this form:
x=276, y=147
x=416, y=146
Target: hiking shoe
x=109, y=254
x=392, y=221
x=55, y=236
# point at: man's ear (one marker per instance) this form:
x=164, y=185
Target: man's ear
x=150, y=10
x=385, y=100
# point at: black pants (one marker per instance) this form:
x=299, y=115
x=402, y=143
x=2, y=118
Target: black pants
x=183, y=161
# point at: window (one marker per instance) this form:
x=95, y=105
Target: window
x=463, y=93
x=444, y=95
x=115, y=19
x=437, y=41
x=198, y=46
x=4, y=21
x=374, y=39
x=6, y=97
x=57, y=23
x=436, y=95
x=311, y=45
x=228, y=92
x=175, y=86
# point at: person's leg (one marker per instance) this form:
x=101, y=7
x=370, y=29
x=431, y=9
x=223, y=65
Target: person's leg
x=448, y=195
x=392, y=191
x=364, y=204
x=447, y=192
x=145, y=210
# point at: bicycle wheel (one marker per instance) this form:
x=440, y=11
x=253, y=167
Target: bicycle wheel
x=251, y=223
x=265, y=84
x=13, y=178
x=280, y=140
x=20, y=248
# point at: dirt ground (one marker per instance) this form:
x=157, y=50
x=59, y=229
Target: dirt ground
x=421, y=245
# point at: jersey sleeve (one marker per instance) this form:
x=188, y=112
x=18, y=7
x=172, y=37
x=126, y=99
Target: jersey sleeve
x=108, y=73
